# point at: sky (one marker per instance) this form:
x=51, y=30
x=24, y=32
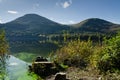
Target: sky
x=61, y=11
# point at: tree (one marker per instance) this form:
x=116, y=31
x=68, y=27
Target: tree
x=111, y=55
x=3, y=54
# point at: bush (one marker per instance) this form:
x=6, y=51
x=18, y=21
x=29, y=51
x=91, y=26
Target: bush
x=110, y=58
x=75, y=53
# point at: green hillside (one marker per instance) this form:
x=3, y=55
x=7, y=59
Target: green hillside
x=96, y=25
x=33, y=24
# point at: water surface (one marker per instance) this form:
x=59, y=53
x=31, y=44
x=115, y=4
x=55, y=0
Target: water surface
x=18, y=70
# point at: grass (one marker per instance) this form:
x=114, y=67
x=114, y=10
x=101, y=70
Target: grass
x=28, y=57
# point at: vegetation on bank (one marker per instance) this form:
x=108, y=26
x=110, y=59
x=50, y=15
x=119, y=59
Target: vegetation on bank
x=102, y=57
x=3, y=54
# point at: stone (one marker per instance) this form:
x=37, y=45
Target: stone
x=40, y=58
x=60, y=76
x=43, y=68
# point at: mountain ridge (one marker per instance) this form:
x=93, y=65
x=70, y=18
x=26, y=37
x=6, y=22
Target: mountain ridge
x=91, y=20
x=95, y=25
x=33, y=24
x=27, y=18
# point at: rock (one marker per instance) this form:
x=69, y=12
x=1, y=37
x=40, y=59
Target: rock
x=30, y=68
x=42, y=68
x=40, y=58
x=60, y=76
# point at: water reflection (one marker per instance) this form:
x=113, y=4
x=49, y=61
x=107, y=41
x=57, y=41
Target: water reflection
x=3, y=63
x=17, y=70
x=28, y=50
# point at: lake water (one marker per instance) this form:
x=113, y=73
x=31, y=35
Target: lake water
x=29, y=50
x=24, y=52
x=17, y=70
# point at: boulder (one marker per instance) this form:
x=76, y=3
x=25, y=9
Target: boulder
x=40, y=58
x=60, y=76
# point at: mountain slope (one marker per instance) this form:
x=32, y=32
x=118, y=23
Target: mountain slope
x=33, y=24
x=95, y=25
x=1, y=26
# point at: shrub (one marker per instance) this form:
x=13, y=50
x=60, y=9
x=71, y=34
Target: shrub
x=75, y=53
x=110, y=58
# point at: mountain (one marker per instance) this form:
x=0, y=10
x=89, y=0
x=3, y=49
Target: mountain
x=22, y=33
x=33, y=24
x=1, y=26
x=95, y=25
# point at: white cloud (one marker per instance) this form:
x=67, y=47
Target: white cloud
x=51, y=18
x=0, y=21
x=68, y=22
x=12, y=12
x=62, y=22
x=64, y=4
x=71, y=22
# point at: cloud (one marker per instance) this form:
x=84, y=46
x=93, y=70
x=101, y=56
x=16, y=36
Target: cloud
x=68, y=22
x=64, y=4
x=0, y=21
x=51, y=18
x=71, y=22
x=12, y=12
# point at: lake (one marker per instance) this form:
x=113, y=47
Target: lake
x=23, y=52
x=17, y=70
x=28, y=49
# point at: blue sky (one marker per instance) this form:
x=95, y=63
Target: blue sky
x=61, y=11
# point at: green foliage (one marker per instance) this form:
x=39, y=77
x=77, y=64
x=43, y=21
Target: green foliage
x=110, y=59
x=95, y=57
x=76, y=53
x=64, y=66
x=3, y=43
x=3, y=55
x=103, y=56
x=33, y=77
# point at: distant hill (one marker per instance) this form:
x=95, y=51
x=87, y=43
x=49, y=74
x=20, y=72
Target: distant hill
x=33, y=24
x=1, y=26
x=95, y=25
